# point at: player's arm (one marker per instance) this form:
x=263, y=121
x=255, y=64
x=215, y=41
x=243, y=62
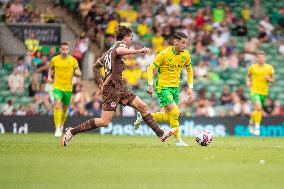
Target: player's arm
x=122, y=51
x=78, y=72
x=270, y=77
x=96, y=70
x=151, y=70
x=50, y=71
x=248, y=77
x=189, y=70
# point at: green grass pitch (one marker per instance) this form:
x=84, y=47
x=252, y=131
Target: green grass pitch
x=36, y=161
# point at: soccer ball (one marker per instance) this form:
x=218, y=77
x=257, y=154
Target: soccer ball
x=203, y=138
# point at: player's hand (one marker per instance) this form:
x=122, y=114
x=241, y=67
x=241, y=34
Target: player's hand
x=190, y=94
x=145, y=50
x=248, y=84
x=49, y=80
x=150, y=90
x=267, y=77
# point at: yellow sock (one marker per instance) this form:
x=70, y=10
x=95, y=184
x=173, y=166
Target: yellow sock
x=57, y=117
x=257, y=117
x=161, y=117
x=174, y=114
x=63, y=117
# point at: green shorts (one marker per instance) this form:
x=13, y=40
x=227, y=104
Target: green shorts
x=255, y=97
x=168, y=95
x=63, y=96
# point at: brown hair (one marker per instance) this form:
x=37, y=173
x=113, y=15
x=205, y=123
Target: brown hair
x=121, y=32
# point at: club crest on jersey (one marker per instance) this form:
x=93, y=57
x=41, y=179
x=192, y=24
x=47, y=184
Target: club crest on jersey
x=113, y=104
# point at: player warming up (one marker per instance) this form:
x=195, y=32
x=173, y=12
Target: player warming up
x=169, y=64
x=114, y=91
x=258, y=77
x=63, y=67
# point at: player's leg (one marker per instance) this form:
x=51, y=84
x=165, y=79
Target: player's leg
x=162, y=116
x=57, y=111
x=88, y=125
x=141, y=106
x=64, y=108
x=256, y=117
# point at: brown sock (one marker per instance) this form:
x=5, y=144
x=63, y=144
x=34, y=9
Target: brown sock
x=150, y=121
x=83, y=127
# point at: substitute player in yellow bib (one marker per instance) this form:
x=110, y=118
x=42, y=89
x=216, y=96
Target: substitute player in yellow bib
x=169, y=63
x=258, y=77
x=63, y=67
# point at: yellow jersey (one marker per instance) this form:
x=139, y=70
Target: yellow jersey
x=170, y=65
x=64, y=69
x=259, y=84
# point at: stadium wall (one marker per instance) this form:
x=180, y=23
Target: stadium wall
x=218, y=126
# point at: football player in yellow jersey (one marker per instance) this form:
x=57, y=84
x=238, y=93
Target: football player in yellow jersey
x=169, y=63
x=258, y=77
x=63, y=67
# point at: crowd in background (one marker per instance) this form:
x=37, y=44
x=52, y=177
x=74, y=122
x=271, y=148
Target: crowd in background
x=212, y=32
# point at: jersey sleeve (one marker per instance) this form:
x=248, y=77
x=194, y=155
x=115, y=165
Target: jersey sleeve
x=75, y=64
x=250, y=70
x=52, y=63
x=189, y=70
x=155, y=64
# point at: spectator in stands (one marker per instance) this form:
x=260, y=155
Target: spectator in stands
x=269, y=106
x=258, y=11
x=245, y=13
x=36, y=16
x=22, y=67
x=241, y=29
x=42, y=97
x=226, y=97
x=48, y=16
x=241, y=107
x=16, y=81
x=51, y=53
x=223, y=59
x=89, y=104
x=81, y=46
x=16, y=8
x=34, y=86
x=37, y=60
x=219, y=38
x=8, y=108
x=85, y=7
x=218, y=13
x=96, y=110
x=201, y=71
x=80, y=98
x=21, y=111
x=32, y=43
x=262, y=35
x=25, y=16
x=265, y=22
x=31, y=110
x=42, y=68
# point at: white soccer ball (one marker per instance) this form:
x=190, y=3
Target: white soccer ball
x=203, y=138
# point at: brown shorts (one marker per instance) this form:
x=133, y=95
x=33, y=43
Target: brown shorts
x=114, y=94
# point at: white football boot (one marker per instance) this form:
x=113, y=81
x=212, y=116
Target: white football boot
x=58, y=132
x=138, y=121
x=179, y=142
x=67, y=136
x=257, y=129
x=251, y=127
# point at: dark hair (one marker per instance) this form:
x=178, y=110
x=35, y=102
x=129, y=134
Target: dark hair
x=121, y=32
x=180, y=35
